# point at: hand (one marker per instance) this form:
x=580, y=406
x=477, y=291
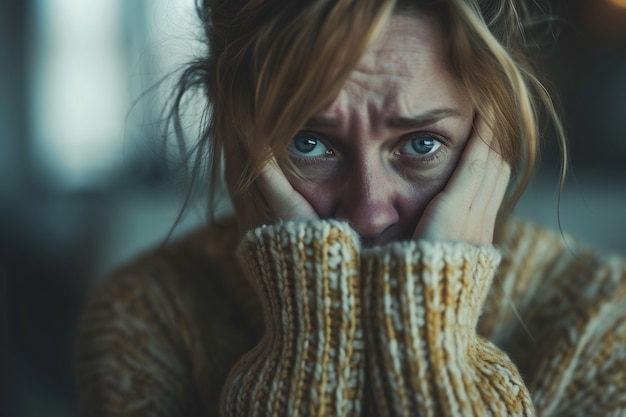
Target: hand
x=269, y=198
x=467, y=208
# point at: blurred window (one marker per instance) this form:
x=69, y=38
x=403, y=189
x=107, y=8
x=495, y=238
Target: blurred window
x=90, y=60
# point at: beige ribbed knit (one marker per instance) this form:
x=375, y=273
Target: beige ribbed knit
x=423, y=300
x=409, y=329
x=310, y=360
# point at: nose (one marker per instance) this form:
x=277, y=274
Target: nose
x=368, y=202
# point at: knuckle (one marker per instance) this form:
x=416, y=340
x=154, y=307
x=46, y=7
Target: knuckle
x=477, y=167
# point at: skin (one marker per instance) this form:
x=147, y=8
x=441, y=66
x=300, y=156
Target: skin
x=361, y=165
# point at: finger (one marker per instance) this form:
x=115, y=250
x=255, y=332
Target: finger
x=273, y=183
x=465, y=183
x=493, y=187
x=251, y=209
x=502, y=175
x=491, y=194
x=498, y=176
x=284, y=201
x=497, y=171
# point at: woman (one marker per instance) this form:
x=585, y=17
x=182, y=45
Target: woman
x=373, y=150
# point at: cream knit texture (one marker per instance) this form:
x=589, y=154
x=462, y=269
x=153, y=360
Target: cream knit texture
x=423, y=300
x=300, y=321
x=309, y=360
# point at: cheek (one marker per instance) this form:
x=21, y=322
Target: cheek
x=413, y=199
x=408, y=196
x=420, y=189
x=321, y=195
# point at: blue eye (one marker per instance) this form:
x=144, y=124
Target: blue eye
x=307, y=145
x=421, y=145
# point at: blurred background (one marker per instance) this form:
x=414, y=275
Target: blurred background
x=84, y=184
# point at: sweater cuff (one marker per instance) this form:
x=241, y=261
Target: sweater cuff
x=441, y=284
x=310, y=360
x=422, y=303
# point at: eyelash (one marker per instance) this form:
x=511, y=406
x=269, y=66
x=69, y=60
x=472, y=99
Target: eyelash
x=429, y=158
x=310, y=159
x=404, y=140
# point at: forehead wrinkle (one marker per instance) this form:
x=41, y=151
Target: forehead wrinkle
x=376, y=102
x=332, y=115
x=393, y=63
x=411, y=37
x=408, y=80
x=389, y=107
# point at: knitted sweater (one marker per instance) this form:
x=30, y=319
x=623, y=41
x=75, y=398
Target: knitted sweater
x=297, y=319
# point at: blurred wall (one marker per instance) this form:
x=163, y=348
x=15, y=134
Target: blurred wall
x=83, y=186
x=63, y=226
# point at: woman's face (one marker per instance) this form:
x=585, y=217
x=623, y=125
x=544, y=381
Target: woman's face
x=390, y=140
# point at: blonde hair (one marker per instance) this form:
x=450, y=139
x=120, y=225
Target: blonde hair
x=272, y=64
x=489, y=54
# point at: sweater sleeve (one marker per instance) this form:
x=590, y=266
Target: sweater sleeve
x=131, y=356
x=569, y=336
x=310, y=359
x=422, y=302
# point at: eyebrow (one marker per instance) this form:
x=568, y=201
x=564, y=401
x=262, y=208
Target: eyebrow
x=425, y=119
x=317, y=122
x=413, y=122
